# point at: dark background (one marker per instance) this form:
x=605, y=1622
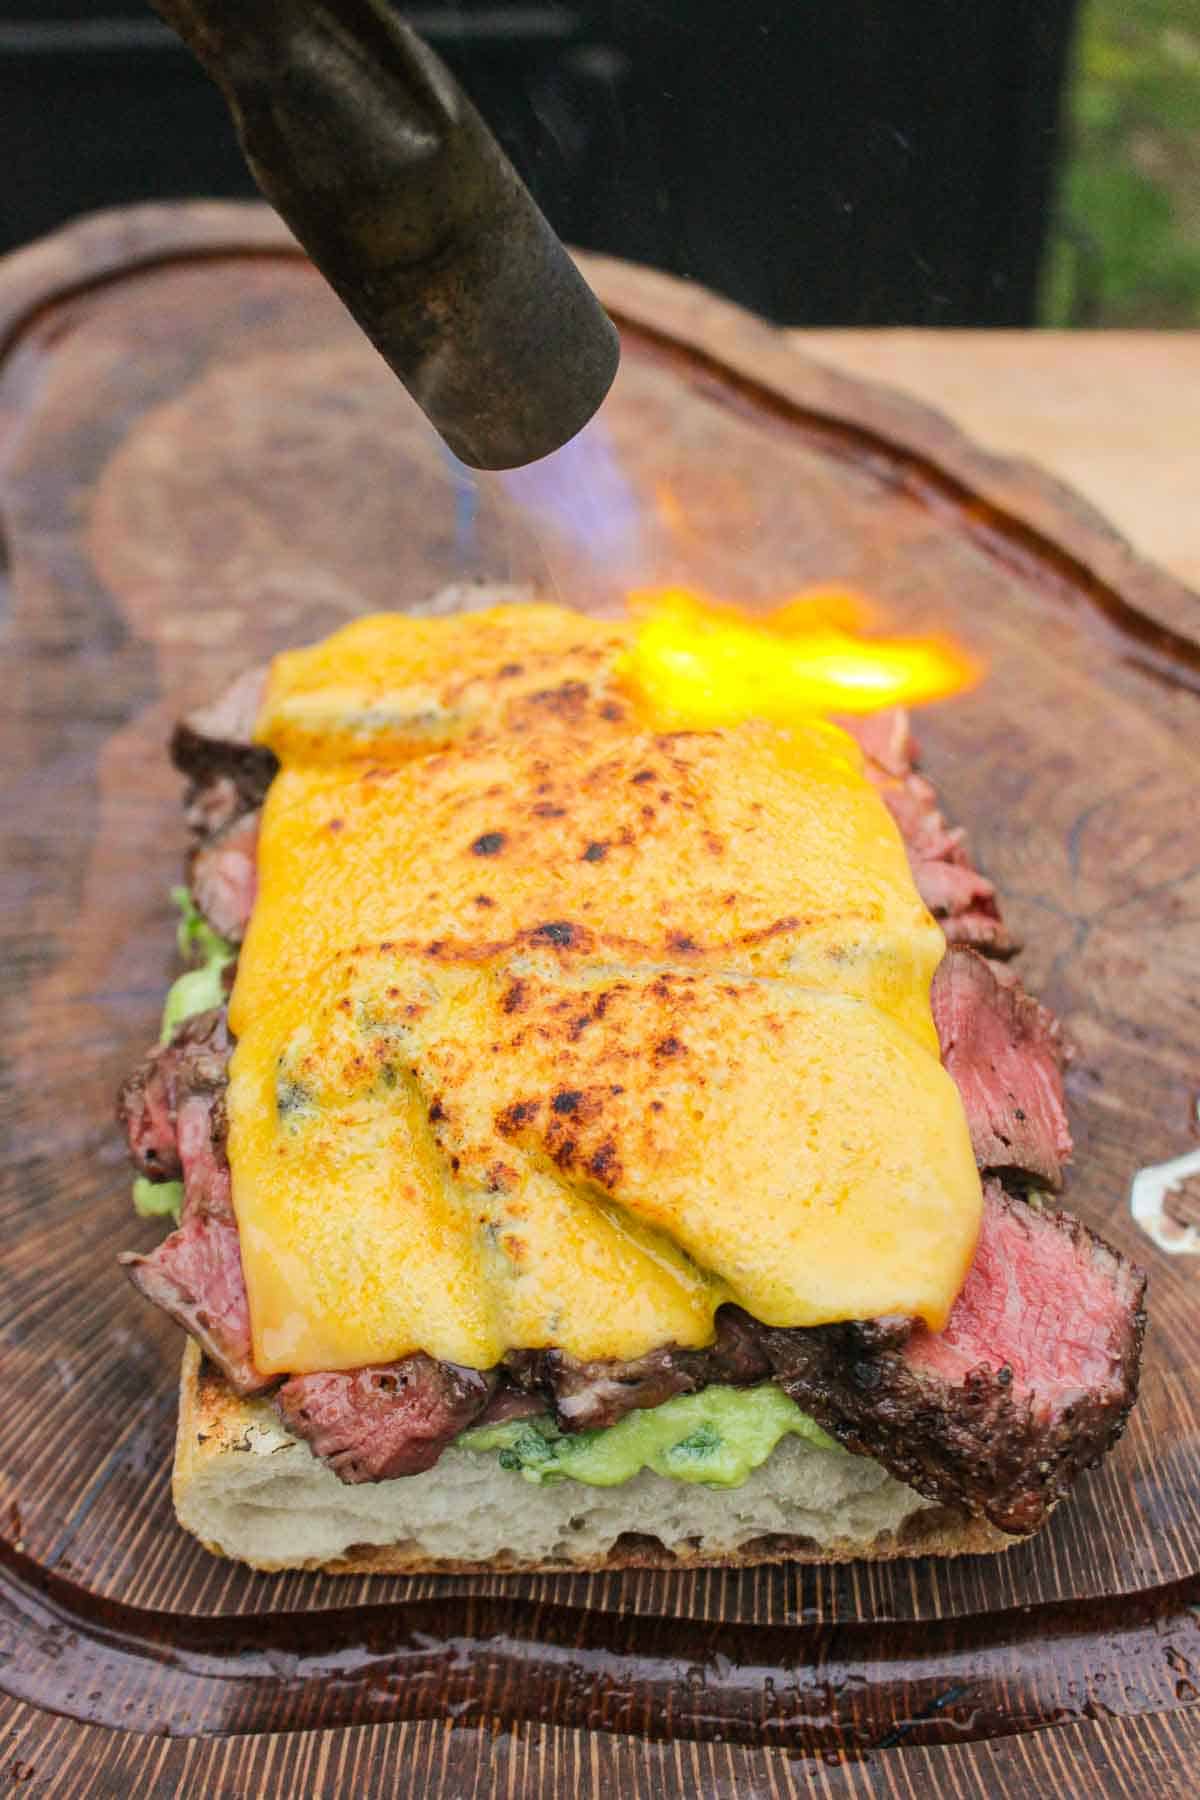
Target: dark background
x=868, y=162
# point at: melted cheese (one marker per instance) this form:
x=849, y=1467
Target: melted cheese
x=557, y=1029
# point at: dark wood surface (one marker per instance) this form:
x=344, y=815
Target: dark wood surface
x=200, y=462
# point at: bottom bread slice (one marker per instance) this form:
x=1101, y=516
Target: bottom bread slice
x=248, y=1489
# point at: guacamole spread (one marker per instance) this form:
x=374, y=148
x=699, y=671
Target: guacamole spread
x=716, y=1437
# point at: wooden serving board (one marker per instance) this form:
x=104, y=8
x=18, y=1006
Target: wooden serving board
x=202, y=462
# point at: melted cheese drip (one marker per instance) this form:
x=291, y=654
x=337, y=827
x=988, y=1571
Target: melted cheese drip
x=557, y=1029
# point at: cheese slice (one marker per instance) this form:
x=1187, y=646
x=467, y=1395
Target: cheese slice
x=556, y=1028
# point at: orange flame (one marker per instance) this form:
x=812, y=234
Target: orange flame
x=699, y=662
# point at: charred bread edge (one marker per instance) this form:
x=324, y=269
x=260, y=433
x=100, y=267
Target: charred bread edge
x=207, y=1405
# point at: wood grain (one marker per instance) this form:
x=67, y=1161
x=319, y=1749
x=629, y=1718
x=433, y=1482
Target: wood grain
x=200, y=462
x=1129, y=1759
x=1112, y=412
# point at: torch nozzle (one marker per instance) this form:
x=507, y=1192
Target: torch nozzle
x=363, y=142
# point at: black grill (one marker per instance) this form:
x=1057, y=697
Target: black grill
x=866, y=163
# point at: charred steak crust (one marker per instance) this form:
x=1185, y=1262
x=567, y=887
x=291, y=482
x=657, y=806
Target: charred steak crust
x=213, y=746
x=228, y=776
x=586, y=1396
x=1000, y=1421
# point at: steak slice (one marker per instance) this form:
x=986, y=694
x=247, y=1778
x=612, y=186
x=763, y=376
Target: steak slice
x=509, y=1403
x=1030, y=1383
x=195, y=1060
x=1004, y=1052
x=961, y=899
x=214, y=748
x=375, y=1423
x=585, y=1396
x=223, y=876
x=195, y=1275
x=209, y=808
x=885, y=739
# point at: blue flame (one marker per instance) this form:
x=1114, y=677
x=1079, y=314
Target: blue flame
x=465, y=486
x=582, y=493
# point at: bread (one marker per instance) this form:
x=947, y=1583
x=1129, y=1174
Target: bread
x=248, y=1489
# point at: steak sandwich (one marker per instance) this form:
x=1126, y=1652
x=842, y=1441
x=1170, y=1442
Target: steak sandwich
x=598, y=1142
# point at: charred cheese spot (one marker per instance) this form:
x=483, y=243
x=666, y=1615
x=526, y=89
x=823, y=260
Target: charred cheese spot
x=561, y=933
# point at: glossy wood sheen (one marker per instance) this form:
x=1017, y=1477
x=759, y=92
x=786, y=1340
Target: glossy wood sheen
x=201, y=463
x=831, y=1687
x=1112, y=412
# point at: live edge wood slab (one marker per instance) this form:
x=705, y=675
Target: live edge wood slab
x=202, y=462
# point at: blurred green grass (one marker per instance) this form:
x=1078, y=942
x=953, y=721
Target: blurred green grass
x=1125, y=244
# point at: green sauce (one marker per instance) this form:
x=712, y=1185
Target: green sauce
x=193, y=992
x=201, y=987
x=716, y=1437
x=157, y=1199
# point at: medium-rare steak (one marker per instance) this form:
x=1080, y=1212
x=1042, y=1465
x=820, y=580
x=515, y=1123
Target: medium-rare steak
x=195, y=1275
x=962, y=900
x=1030, y=1383
x=223, y=876
x=1004, y=1052
x=586, y=1396
x=196, y=1060
x=394, y=1419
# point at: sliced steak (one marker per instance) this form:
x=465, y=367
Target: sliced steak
x=195, y=1061
x=223, y=876
x=392, y=1419
x=195, y=1275
x=509, y=1403
x=209, y=808
x=214, y=748
x=885, y=738
x=1004, y=1052
x=585, y=1396
x=1030, y=1383
x=961, y=899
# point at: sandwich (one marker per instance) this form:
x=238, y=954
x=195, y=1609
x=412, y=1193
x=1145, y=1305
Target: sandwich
x=601, y=1130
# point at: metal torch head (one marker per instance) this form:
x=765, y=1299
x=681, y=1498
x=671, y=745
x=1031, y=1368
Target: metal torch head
x=361, y=139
